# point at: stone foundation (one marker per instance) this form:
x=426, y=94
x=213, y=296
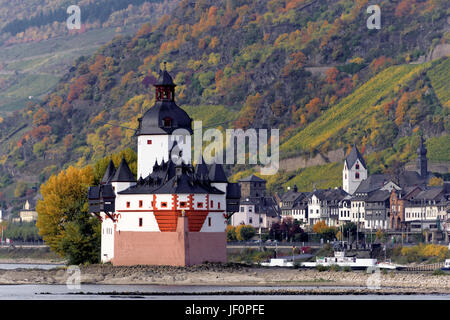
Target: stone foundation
x=179, y=248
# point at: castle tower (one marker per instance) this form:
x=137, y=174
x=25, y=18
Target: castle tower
x=422, y=162
x=355, y=171
x=161, y=127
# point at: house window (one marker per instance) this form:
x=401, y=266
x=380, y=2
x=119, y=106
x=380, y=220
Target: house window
x=357, y=166
x=357, y=175
x=149, y=141
x=209, y=221
x=140, y=203
x=249, y=209
x=163, y=204
x=212, y=203
x=218, y=205
x=242, y=209
x=183, y=204
x=250, y=220
x=199, y=204
x=128, y=204
x=140, y=222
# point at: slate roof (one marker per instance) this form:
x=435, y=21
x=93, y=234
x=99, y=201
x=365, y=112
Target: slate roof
x=152, y=122
x=168, y=178
x=109, y=173
x=432, y=193
x=164, y=79
x=372, y=183
x=353, y=156
x=123, y=173
x=411, y=178
x=216, y=173
x=379, y=196
x=101, y=191
x=263, y=205
x=233, y=191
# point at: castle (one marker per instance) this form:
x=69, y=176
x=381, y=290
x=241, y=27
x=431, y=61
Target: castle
x=174, y=213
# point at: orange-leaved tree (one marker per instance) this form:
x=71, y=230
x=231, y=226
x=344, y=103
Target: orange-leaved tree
x=63, y=219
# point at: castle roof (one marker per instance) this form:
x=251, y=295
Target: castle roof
x=217, y=174
x=109, y=173
x=164, y=118
x=170, y=178
x=353, y=156
x=123, y=173
x=165, y=79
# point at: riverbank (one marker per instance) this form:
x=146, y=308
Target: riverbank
x=236, y=275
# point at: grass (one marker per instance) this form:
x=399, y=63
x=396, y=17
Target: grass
x=439, y=76
x=212, y=116
x=322, y=177
x=439, y=147
x=360, y=104
x=16, y=96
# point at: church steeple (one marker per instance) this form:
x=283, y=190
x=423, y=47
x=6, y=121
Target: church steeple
x=164, y=87
x=422, y=161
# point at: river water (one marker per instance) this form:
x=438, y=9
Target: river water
x=177, y=292
x=161, y=292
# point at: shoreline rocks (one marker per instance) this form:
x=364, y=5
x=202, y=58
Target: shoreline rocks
x=240, y=275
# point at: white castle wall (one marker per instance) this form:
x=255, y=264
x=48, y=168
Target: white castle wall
x=159, y=150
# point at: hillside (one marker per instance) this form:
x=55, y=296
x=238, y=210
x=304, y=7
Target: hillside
x=36, y=48
x=249, y=64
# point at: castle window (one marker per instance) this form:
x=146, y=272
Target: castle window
x=167, y=122
x=183, y=204
x=199, y=204
x=140, y=203
x=128, y=204
x=140, y=222
x=218, y=205
x=149, y=141
x=357, y=175
x=163, y=204
x=209, y=221
x=212, y=203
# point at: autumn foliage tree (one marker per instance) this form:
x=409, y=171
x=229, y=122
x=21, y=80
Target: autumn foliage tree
x=63, y=219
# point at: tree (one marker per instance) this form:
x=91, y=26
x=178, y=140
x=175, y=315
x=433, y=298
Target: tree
x=231, y=233
x=63, y=219
x=244, y=232
x=435, y=181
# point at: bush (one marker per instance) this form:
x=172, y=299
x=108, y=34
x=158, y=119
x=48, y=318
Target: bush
x=347, y=269
x=321, y=268
x=245, y=232
x=335, y=268
x=231, y=233
x=439, y=272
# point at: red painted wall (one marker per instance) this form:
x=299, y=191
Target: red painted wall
x=179, y=248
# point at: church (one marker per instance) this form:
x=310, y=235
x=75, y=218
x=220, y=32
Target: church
x=173, y=213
